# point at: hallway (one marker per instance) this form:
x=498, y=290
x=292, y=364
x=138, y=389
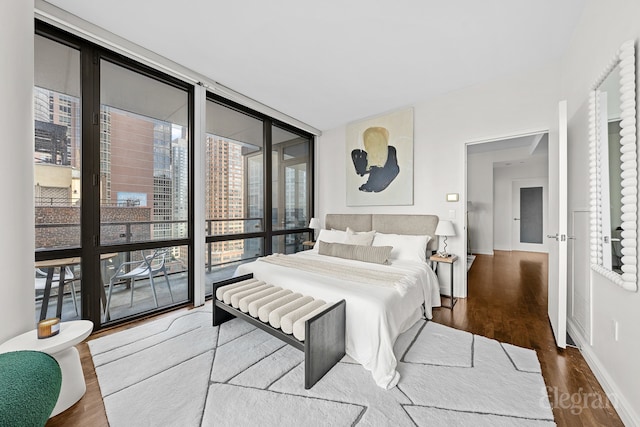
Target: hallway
x=507, y=301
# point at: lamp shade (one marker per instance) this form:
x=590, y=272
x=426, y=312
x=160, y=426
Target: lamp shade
x=445, y=228
x=315, y=223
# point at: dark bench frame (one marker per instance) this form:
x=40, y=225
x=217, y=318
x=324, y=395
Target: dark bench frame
x=324, y=343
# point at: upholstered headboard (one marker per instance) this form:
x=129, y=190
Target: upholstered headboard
x=384, y=223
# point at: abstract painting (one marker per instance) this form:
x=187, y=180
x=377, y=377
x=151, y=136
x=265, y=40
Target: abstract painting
x=380, y=160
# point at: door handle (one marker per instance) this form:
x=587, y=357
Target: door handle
x=553, y=236
x=516, y=219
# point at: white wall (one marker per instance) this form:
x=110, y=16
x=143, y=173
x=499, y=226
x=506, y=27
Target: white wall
x=604, y=26
x=511, y=106
x=16, y=168
x=503, y=178
x=480, y=194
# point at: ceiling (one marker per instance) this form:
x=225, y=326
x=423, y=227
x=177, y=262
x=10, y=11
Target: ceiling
x=536, y=143
x=523, y=150
x=330, y=62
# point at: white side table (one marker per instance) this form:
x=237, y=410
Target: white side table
x=61, y=347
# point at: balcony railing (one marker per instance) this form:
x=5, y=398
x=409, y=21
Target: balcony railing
x=127, y=232
x=75, y=202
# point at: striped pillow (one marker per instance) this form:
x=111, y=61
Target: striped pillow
x=373, y=254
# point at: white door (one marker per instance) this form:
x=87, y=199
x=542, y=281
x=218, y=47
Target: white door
x=529, y=214
x=579, y=294
x=557, y=230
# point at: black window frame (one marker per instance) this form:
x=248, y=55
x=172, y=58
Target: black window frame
x=269, y=122
x=90, y=248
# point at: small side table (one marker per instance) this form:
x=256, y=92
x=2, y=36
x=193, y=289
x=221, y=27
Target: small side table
x=451, y=260
x=61, y=347
x=308, y=244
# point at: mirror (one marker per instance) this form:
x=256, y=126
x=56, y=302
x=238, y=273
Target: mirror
x=613, y=169
x=608, y=146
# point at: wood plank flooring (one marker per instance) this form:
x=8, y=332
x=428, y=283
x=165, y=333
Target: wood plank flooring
x=507, y=301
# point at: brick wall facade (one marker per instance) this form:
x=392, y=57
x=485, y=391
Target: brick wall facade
x=59, y=226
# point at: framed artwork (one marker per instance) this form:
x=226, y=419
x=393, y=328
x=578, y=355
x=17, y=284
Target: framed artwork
x=380, y=160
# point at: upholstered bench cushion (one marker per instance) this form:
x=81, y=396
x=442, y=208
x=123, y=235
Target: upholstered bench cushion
x=265, y=311
x=221, y=290
x=243, y=304
x=276, y=315
x=298, y=328
x=281, y=308
x=255, y=306
x=237, y=296
x=287, y=321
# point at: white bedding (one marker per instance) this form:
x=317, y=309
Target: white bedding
x=375, y=315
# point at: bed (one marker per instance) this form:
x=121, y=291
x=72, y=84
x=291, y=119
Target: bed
x=377, y=310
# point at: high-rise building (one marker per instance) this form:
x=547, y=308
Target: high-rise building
x=225, y=196
x=56, y=148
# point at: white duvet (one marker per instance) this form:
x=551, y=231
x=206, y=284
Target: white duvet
x=375, y=315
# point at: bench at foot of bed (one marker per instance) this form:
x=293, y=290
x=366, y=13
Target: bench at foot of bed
x=312, y=326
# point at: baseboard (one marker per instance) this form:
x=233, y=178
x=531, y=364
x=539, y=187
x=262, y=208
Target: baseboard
x=624, y=409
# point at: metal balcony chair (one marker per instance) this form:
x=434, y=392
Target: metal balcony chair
x=69, y=278
x=150, y=266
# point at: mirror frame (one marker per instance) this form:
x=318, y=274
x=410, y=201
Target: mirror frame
x=625, y=58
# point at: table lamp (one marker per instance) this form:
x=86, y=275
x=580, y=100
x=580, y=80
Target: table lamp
x=315, y=224
x=445, y=228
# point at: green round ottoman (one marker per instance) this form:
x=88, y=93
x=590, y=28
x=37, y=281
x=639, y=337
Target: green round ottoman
x=29, y=387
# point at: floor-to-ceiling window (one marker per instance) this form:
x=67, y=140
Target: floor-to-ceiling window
x=114, y=169
x=57, y=184
x=247, y=214
x=291, y=189
x=112, y=183
x=144, y=190
x=234, y=190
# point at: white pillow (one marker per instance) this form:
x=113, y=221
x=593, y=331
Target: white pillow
x=363, y=238
x=331, y=236
x=405, y=247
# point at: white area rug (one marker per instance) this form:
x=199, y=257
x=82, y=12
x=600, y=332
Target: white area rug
x=181, y=371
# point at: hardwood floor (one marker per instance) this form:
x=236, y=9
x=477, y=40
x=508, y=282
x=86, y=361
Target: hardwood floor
x=507, y=301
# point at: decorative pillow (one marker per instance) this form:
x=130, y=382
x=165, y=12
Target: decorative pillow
x=331, y=236
x=405, y=247
x=364, y=238
x=376, y=255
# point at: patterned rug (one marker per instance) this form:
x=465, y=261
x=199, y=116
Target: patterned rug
x=181, y=371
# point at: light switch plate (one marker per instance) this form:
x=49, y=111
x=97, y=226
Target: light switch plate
x=452, y=214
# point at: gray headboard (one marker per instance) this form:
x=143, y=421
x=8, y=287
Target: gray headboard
x=384, y=223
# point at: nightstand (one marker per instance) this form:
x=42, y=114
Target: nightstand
x=451, y=260
x=308, y=244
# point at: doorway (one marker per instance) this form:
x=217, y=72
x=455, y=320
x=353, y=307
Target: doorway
x=499, y=173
